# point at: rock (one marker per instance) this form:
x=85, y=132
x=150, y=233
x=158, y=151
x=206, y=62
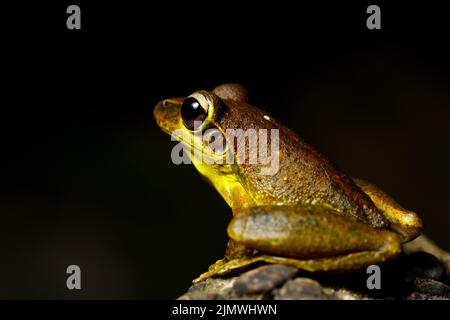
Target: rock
x=426, y=265
x=430, y=288
x=423, y=244
x=210, y=289
x=421, y=272
x=301, y=288
x=263, y=279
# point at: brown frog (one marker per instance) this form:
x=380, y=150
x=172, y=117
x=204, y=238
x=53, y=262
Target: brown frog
x=307, y=214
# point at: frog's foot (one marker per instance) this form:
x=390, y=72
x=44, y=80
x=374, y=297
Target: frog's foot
x=222, y=267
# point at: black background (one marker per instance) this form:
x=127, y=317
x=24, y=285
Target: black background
x=86, y=174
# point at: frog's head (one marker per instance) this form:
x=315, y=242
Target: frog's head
x=202, y=123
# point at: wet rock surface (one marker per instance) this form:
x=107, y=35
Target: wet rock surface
x=421, y=272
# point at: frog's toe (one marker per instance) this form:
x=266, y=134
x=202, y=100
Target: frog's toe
x=213, y=270
x=216, y=265
x=224, y=267
x=202, y=277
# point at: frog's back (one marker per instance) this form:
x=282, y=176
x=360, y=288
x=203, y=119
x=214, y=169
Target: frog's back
x=304, y=176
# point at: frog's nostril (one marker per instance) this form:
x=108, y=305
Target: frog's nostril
x=165, y=103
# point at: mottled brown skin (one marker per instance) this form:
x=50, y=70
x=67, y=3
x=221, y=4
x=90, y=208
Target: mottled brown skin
x=309, y=214
x=310, y=176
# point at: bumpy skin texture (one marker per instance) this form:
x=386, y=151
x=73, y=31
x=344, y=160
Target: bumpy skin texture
x=308, y=215
x=304, y=175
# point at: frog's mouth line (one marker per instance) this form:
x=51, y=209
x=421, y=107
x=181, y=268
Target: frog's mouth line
x=219, y=162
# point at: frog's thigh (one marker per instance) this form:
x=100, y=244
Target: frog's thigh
x=407, y=223
x=312, y=238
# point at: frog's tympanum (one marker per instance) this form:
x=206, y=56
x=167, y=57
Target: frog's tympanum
x=308, y=214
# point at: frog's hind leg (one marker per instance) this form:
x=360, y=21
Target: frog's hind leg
x=313, y=238
x=308, y=237
x=407, y=223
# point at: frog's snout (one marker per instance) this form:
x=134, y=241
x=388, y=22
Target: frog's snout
x=165, y=107
x=166, y=113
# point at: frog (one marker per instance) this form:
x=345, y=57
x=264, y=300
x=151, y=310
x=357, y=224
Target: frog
x=308, y=214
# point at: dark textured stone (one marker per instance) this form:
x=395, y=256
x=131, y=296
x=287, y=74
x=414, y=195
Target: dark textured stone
x=423, y=244
x=431, y=288
x=426, y=265
x=301, y=289
x=263, y=279
x=210, y=289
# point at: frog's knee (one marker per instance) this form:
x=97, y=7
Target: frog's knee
x=392, y=246
x=236, y=229
x=407, y=224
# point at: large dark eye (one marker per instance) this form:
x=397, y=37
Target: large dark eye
x=193, y=113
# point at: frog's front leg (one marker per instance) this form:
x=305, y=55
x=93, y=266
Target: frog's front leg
x=311, y=238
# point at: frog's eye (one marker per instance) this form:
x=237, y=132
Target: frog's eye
x=193, y=113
